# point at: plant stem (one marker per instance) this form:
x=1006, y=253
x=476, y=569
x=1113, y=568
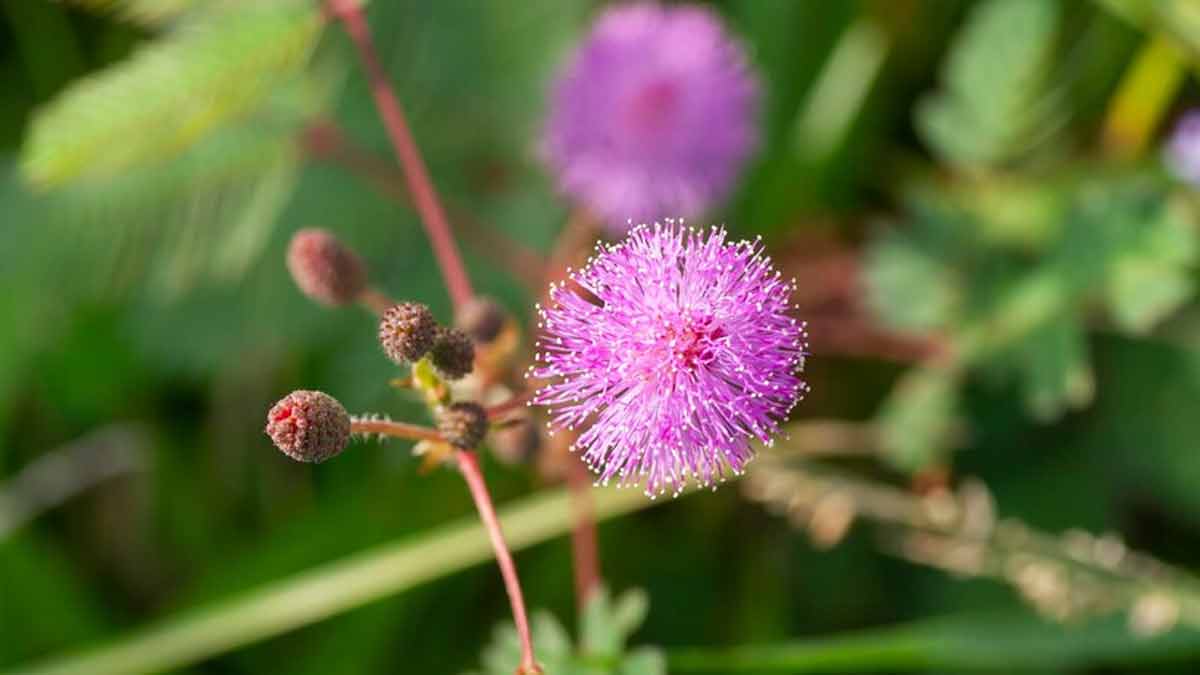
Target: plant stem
x=327, y=590
x=496, y=411
x=375, y=300
x=420, y=187
x=584, y=550
x=469, y=466
x=404, y=430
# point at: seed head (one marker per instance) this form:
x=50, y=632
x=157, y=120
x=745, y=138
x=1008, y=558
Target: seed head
x=453, y=353
x=324, y=269
x=407, y=332
x=463, y=424
x=481, y=319
x=309, y=426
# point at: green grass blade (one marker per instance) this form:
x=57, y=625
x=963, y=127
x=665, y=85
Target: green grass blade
x=333, y=588
x=1007, y=642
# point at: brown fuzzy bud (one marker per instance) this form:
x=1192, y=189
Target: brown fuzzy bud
x=407, y=331
x=463, y=424
x=453, y=353
x=516, y=442
x=324, y=269
x=309, y=426
x=481, y=319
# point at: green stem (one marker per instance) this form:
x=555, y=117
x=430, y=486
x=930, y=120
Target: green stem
x=332, y=588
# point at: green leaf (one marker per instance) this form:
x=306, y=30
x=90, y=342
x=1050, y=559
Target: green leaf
x=1007, y=642
x=644, y=661
x=909, y=288
x=1153, y=277
x=203, y=74
x=1054, y=367
x=918, y=419
x=150, y=12
x=994, y=107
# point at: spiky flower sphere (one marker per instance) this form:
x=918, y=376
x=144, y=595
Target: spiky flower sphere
x=654, y=114
x=1183, y=149
x=453, y=353
x=683, y=352
x=407, y=332
x=309, y=426
x=324, y=269
x=463, y=424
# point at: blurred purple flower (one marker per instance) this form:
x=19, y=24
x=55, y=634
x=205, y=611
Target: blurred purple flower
x=1183, y=148
x=676, y=352
x=654, y=115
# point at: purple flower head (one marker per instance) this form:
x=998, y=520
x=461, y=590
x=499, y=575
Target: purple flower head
x=675, y=349
x=655, y=114
x=1183, y=149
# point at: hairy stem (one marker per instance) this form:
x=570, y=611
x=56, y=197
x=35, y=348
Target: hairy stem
x=404, y=430
x=420, y=187
x=469, y=466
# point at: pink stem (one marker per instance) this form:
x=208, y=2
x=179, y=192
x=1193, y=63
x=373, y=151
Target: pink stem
x=424, y=196
x=411, y=432
x=515, y=401
x=469, y=467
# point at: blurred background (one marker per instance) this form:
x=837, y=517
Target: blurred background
x=995, y=260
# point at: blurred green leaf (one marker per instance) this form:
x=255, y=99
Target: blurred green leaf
x=917, y=421
x=142, y=11
x=217, y=67
x=994, y=106
x=1008, y=642
x=605, y=626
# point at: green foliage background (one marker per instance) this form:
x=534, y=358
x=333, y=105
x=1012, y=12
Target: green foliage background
x=150, y=177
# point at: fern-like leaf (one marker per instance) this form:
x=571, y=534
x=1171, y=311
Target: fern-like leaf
x=214, y=68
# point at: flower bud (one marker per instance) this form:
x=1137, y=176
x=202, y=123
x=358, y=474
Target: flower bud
x=481, y=319
x=407, y=331
x=463, y=424
x=324, y=269
x=309, y=426
x=453, y=353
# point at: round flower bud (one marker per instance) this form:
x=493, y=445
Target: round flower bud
x=453, y=353
x=463, y=424
x=516, y=442
x=481, y=319
x=407, y=331
x=324, y=269
x=309, y=426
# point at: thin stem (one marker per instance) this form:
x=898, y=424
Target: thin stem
x=469, y=467
x=404, y=430
x=316, y=594
x=375, y=300
x=323, y=140
x=424, y=196
x=584, y=549
x=515, y=401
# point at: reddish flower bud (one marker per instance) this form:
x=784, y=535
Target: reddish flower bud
x=324, y=269
x=309, y=426
x=481, y=319
x=463, y=424
x=453, y=353
x=407, y=331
